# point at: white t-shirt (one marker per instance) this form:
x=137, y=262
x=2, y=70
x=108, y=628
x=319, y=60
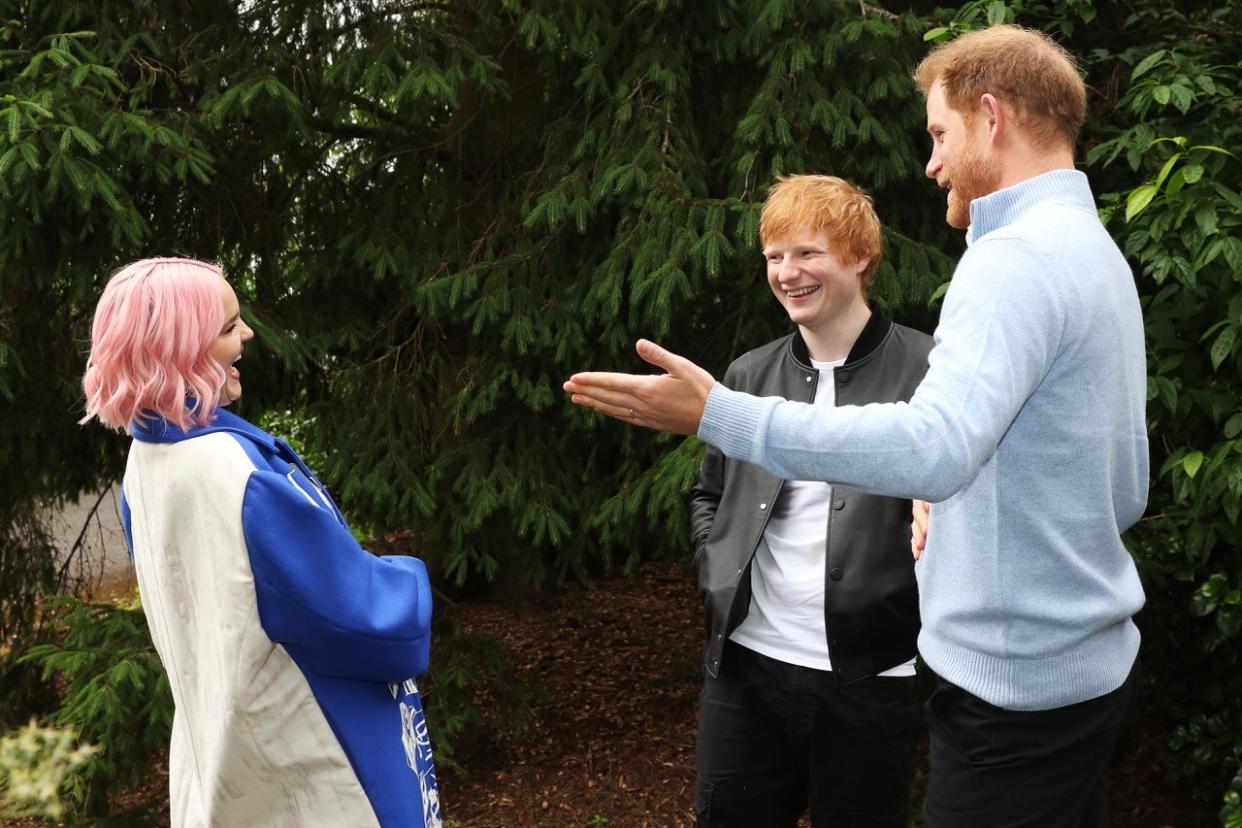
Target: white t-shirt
x=786, y=617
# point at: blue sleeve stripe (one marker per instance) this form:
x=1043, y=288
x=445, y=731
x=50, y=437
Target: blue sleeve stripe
x=125, y=524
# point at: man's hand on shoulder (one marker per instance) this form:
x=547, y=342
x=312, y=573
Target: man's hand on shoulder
x=673, y=401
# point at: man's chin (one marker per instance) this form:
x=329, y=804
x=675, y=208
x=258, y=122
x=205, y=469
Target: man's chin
x=957, y=214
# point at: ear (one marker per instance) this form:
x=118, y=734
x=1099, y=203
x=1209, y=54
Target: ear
x=994, y=114
x=859, y=266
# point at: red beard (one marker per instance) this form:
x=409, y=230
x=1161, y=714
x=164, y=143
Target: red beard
x=972, y=176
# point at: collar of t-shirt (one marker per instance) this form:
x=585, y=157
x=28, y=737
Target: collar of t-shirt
x=826, y=389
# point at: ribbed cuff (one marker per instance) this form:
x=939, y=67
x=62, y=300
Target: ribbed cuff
x=732, y=422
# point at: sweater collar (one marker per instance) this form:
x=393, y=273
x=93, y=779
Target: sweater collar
x=1005, y=206
x=158, y=430
x=869, y=339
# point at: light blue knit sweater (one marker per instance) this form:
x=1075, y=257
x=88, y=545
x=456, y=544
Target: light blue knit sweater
x=1029, y=436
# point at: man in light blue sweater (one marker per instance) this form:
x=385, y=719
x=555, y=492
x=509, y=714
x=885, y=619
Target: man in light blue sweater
x=1028, y=434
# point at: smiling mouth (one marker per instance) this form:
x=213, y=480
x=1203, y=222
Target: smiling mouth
x=800, y=292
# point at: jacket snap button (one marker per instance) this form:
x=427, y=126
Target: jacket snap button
x=763, y=505
x=835, y=574
x=839, y=503
x=808, y=379
x=719, y=636
x=844, y=376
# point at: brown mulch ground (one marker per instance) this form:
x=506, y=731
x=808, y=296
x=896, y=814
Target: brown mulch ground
x=611, y=744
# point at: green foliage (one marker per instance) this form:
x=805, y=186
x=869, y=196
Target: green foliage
x=1182, y=228
x=431, y=224
x=95, y=145
x=295, y=426
x=472, y=697
x=613, y=181
x=115, y=693
x=34, y=764
x=1231, y=813
x=435, y=213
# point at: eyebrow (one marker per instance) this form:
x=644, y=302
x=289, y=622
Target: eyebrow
x=794, y=248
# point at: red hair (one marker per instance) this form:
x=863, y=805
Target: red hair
x=825, y=203
x=154, y=327
x=1024, y=67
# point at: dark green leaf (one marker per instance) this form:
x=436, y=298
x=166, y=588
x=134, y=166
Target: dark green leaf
x=1223, y=347
x=1146, y=64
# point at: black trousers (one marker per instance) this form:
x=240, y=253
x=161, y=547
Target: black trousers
x=775, y=737
x=996, y=768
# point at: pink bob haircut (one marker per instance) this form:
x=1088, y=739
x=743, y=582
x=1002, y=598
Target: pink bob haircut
x=150, y=345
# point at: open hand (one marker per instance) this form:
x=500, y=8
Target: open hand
x=672, y=401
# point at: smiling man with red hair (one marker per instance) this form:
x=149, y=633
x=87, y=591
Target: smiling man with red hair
x=809, y=596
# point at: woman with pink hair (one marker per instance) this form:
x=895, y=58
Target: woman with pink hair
x=291, y=651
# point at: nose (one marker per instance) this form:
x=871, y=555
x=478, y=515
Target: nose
x=788, y=271
x=247, y=333
x=933, y=165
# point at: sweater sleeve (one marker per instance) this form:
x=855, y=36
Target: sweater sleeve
x=999, y=333
x=337, y=609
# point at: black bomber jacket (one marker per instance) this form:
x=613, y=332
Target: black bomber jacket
x=871, y=600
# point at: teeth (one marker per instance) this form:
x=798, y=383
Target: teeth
x=801, y=291
x=236, y=358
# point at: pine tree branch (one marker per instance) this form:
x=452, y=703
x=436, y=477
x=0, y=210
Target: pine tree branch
x=337, y=31
x=359, y=131
x=372, y=108
x=864, y=8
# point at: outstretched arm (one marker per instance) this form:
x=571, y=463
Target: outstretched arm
x=672, y=401
x=999, y=333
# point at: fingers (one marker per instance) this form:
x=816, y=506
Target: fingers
x=620, y=412
x=617, y=412
x=601, y=398
x=671, y=401
x=590, y=381
x=918, y=527
x=603, y=392
x=659, y=357
x=676, y=366
x=919, y=510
